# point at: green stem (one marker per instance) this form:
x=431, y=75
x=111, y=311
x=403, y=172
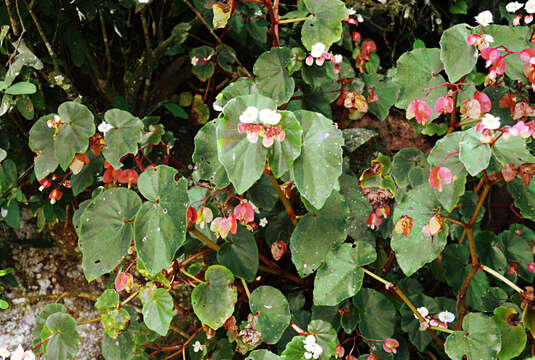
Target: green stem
x=288, y=21
x=502, y=278
x=247, y=292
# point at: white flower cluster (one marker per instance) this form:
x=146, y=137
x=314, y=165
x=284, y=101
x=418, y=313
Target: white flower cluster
x=18, y=354
x=442, y=320
x=312, y=349
x=514, y=6
x=267, y=116
x=104, y=127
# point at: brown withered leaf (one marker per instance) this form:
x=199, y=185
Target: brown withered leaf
x=278, y=249
x=377, y=197
x=96, y=143
x=526, y=172
x=509, y=172
x=508, y=101
x=77, y=164
x=433, y=226
x=404, y=225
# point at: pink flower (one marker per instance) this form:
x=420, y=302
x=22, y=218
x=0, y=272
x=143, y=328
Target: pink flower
x=124, y=281
x=444, y=105
x=281, y=136
x=373, y=220
x=390, y=345
x=309, y=60
x=420, y=110
x=339, y=353
x=484, y=101
x=440, y=176
x=244, y=212
x=267, y=141
x=471, y=108
x=520, y=129
x=531, y=267
x=222, y=226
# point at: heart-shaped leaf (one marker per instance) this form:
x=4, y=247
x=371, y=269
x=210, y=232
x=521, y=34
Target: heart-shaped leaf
x=273, y=313
x=512, y=331
x=123, y=138
x=458, y=57
x=272, y=76
x=473, y=153
x=240, y=254
x=113, y=318
x=60, y=330
x=325, y=23
x=282, y=154
x=377, y=315
x=205, y=157
x=157, y=308
x=41, y=142
x=40, y=321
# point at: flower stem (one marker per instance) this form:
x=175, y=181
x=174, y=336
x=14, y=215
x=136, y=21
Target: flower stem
x=502, y=278
x=283, y=199
x=85, y=322
x=247, y=292
x=288, y=21
x=183, y=271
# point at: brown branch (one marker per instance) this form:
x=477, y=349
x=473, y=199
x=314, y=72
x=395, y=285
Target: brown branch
x=11, y=18
x=461, y=298
x=282, y=197
x=107, y=52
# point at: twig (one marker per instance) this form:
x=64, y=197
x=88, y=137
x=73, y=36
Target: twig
x=107, y=52
x=90, y=321
x=131, y=297
x=473, y=270
x=283, y=199
x=502, y=278
x=218, y=39
x=11, y=18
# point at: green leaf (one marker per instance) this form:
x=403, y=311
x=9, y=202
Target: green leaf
x=317, y=169
x=273, y=312
x=41, y=141
x=325, y=23
x=109, y=300
x=176, y=111
x=341, y=277
x=308, y=248
x=222, y=12
x=3, y=154
x=113, y=318
x=123, y=138
x=40, y=320
x=480, y=339
x=160, y=225
x=86, y=177
x=240, y=254
x=458, y=57
x=213, y=301
x=418, y=70
x=243, y=160
x=512, y=331
x=512, y=151
x=473, y=153
x=452, y=192
x=235, y=89
x=359, y=208
x=262, y=355
x=205, y=68
x=272, y=77
x=106, y=231
x=356, y=137
x=21, y=88
x=120, y=348
x=281, y=154
x=524, y=197
x=25, y=107
x=411, y=325
x=294, y=349
x=404, y=161
x=416, y=250
x=377, y=315
x=60, y=329
x=205, y=157
x=200, y=112
x=263, y=194
x=386, y=91
x=517, y=247
x=225, y=58
x=73, y=136
x=459, y=7
x=157, y=309
x=325, y=337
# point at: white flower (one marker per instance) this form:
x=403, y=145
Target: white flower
x=485, y=18
x=528, y=19
x=194, y=60
x=269, y=117
x=3, y=212
x=4, y=352
x=513, y=6
x=249, y=115
x=263, y=222
x=490, y=122
x=351, y=11
x=258, y=13
x=360, y=18
x=28, y=355
x=488, y=38
x=382, y=1
x=313, y=350
x=104, y=127
x=143, y=1
x=217, y=107
x=446, y=317
x=530, y=6
x=338, y=58
x=423, y=311
x=17, y=354
x=318, y=49
x=197, y=346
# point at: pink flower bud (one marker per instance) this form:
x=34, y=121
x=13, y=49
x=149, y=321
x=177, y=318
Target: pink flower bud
x=124, y=281
x=444, y=105
x=340, y=351
x=191, y=215
x=531, y=267
x=309, y=60
x=390, y=345
x=244, y=212
x=373, y=220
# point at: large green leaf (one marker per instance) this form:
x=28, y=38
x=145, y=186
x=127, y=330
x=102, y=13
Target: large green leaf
x=418, y=70
x=523, y=196
x=205, y=157
x=451, y=193
x=316, y=233
x=282, y=154
x=73, y=136
x=237, y=88
x=317, y=169
x=377, y=315
x=473, y=153
x=60, y=330
x=272, y=76
x=21, y=88
x=479, y=340
x=458, y=57
x=273, y=312
x=240, y=254
x=416, y=250
x=40, y=320
x=42, y=143
x=86, y=177
x=106, y=230
x=123, y=138
x=113, y=318
x=324, y=335
x=387, y=92
x=359, y=208
x=243, y=160
x=262, y=355
x=325, y=23
x=404, y=161
x=213, y=301
x=512, y=150
x=157, y=308
x=517, y=247
x=160, y=225
x=512, y=331
x=341, y=277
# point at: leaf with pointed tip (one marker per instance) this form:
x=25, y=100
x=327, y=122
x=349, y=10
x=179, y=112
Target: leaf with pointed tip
x=42, y=143
x=123, y=138
x=204, y=68
x=160, y=225
x=106, y=231
x=240, y=254
x=524, y=197
x=157, y=309
x=325, y=23
x=272, y=77
x=480, y=339
x=512, y=150
x=317, y=169
x=273, y=312
x=458, y=57
x=359, y=207
x=40, y=320
x=60, y=330
x=473, y=153
x=237, y=88
x=113, y=318
x=73, y=136
x=213, y=301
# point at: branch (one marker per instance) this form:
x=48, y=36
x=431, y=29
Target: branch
x=282, y=197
